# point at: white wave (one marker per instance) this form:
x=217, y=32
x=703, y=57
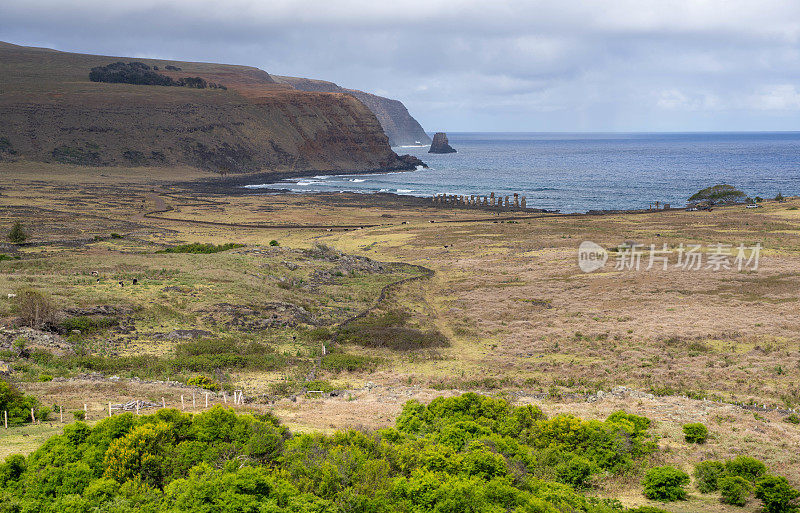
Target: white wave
x=322, y=177
x=357, y=180
x=401, y=191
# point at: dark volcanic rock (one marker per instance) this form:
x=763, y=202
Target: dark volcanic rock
x=440, y=144
x=412, y=161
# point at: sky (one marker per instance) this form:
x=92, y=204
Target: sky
x=468, y=65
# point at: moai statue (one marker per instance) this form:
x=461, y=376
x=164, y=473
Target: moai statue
x=508, y=201
x=516, y=200
x=657, y=203
x=472, y=199
x=491, y=199
x=524, y=202
x=666, y=206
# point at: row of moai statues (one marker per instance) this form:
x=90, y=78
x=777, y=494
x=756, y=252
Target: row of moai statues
x=659, y=205
x=515, y=201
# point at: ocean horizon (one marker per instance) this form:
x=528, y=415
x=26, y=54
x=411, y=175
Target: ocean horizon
x=582, y=171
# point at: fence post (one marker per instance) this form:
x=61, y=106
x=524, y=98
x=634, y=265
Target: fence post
x=61, y=413
x=224, y=397
x=206, y=399
x=183, y=406
x=109, y=409
x=137, y=407
x=163, y=403
x=5, y=418
x=85, y=412
x=194, y=403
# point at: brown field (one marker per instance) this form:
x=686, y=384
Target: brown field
x=521, y=318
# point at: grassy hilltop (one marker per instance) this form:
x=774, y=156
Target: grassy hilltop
x=52, y=112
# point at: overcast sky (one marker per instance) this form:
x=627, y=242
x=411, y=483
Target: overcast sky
x=488, y=65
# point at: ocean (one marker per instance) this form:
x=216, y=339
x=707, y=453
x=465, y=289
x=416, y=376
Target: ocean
x=587, y=171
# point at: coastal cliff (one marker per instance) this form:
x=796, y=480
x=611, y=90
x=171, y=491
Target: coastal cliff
x=52, y=112
x=397, y=123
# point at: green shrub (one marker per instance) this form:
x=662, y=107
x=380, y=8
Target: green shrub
x=203, y=382
x=746, y=467
x=17, y=234
x=318, y=385
x=665, y=484
x=707, y=474
x=792, y=419
x=735, y=490
x=274, y=243
x=776, y=494
x=575, y=472
x=79, y=415
x=42, y=413
x=16, y=404
x=43, y=378
x=695, y=433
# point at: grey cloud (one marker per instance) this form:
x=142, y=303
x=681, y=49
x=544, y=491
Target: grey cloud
x=476, y=65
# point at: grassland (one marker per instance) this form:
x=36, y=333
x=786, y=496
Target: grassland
x=519, y=317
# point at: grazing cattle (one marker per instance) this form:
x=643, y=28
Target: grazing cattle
x=135, y=281
x=122, y=284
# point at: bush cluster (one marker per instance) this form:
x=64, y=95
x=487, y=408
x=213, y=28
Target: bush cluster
x=17, y=404
x=737, y=478
x=459, y=454
x=140, y=73
x=203, y=382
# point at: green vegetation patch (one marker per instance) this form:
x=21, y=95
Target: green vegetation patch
x=87, y=324
x=17, y=404
x=201, y=248
x=344, y=362
x=390, y=330
x=89, y=156
x=457, y=454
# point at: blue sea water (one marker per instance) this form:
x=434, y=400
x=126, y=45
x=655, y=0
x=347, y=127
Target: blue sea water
x=581, y=172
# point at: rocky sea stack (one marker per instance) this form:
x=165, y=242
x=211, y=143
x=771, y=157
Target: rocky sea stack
x=440, y=144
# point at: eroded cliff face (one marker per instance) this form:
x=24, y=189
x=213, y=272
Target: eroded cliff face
x=50, y=111
x=397, y=123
